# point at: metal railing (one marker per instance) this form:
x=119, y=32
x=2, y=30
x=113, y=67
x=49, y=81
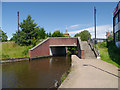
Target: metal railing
x=92, y=44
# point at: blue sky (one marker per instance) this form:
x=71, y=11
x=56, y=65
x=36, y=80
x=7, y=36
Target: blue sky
x=76, y=16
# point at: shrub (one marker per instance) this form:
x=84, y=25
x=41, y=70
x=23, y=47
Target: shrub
x=72, y=50
x=4, y=56
x=103, y=44
x=25, y=52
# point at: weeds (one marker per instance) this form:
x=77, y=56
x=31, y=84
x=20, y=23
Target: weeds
x=109, y=52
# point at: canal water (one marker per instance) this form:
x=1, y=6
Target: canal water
x=39, y=73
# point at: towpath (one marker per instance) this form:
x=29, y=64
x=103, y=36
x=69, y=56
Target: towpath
x=91, y=73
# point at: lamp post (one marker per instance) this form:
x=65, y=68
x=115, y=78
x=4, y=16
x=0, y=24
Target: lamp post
x=18, y=26
x=95, y=23
x=18, y=20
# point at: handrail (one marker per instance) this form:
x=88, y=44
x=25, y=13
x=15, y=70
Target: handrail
x=91, y=42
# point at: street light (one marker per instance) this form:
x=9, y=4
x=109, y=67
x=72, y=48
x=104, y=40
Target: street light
x=95, y=24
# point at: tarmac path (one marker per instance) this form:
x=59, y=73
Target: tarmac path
x=91, y=73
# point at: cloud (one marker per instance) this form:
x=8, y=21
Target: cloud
x=78, y=26
x=100, y=31
x=73, y=26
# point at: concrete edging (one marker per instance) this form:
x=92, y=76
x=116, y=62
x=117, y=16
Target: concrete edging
x=40, y=57
x=73, y=64
x=13, y=60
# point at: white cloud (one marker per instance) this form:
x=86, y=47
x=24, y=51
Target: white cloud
x=101, y=31
x=78, y=26
x=73, y=26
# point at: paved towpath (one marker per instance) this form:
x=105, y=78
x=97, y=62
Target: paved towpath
x=91, y=73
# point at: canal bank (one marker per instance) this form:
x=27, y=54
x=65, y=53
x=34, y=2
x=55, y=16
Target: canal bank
x=13, y=60
x=91, y=73
x=22, y=59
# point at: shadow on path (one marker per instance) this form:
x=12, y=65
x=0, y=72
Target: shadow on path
x=101, y=70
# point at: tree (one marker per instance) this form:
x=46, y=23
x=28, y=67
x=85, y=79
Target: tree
x=49, y=34
x=72, y=50
x=3, y=36
x=40, y=33
x=84, y=35
x=29, y=34
x=57, y=34
x=15, y=37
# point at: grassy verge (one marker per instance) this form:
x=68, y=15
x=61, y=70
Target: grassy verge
x=109, y=53
x=13, y=50
x=64, y=76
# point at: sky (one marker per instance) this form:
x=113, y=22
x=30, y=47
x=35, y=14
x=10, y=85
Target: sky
x=52, y=16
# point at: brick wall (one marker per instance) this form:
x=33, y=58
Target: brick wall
x=63, y=41
x=43, y=48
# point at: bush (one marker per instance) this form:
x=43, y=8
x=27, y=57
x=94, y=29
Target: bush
x=4, y=56
x=109, y=52
x=102, y=45
x=25, y=52
x=72, y=50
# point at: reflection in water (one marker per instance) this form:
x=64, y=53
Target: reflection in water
x=34, y=74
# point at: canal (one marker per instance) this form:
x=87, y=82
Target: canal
x=39, y=73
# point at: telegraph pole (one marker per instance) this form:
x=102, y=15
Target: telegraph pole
x=18, y=20
x=95, y=22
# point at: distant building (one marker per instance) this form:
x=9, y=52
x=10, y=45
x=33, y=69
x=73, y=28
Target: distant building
x=116, y=25
x=109, y=34
x=66, y=34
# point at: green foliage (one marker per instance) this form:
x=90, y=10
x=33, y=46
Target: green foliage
x=77, y=35
x=110, y=37
x=3, y=36
x=30, y=33
x=4, y=56
x=49, y=34
x=110, y=54
x=41, y=34
x=25, y=52
x=13, y=50
x=114, y=52
x=38, y=42
x=102, y=44
x=84, y=35
x=72, y=50
x=57, y=34
x=64, y=76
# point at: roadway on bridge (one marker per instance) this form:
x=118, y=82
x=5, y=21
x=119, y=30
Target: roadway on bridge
x=91, y=73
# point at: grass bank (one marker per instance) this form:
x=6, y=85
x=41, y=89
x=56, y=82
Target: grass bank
x=64, y=76
x=109, y=53
x=13, y=50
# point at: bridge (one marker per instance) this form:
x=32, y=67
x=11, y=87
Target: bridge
x=56, y=46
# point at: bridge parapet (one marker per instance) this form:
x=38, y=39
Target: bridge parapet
x=63, y=41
